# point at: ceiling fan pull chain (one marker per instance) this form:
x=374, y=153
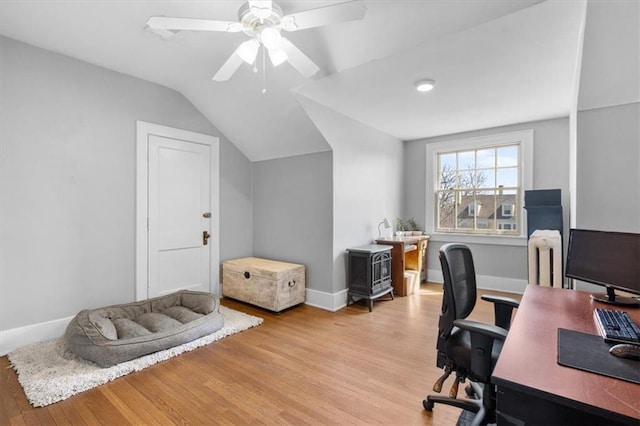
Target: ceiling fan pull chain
x=264, y=72
x=255, y=62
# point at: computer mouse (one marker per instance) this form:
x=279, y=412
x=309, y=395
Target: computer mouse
x=626, y=351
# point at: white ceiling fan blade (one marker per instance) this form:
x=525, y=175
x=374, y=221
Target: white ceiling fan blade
x=246, y=52
x=299, y=60
x=261, y=8
x=342, y=12
x=191, y=24
x=165, y=34
x=260, y=4
x=228, y=68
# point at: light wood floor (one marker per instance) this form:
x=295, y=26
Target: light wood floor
x=304, y=366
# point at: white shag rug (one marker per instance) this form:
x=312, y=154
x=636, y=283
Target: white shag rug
x=49, y=372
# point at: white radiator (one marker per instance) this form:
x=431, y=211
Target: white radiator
x=545, y=258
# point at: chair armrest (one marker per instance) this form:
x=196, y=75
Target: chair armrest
x=482, y=338
x=488, y=330
x=501, y=300
x=503, y=309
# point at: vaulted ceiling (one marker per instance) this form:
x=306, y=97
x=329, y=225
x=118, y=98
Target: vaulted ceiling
x=494, y=62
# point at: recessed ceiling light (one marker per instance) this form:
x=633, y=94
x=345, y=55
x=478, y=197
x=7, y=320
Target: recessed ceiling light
x=425, y=85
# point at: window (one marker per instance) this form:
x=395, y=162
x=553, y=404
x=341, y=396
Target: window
x=476, y=186
x=507, y=210
x=482, y=181
x=472, y=208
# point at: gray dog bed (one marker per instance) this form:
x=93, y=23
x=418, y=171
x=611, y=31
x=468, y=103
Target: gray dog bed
x=119, y=333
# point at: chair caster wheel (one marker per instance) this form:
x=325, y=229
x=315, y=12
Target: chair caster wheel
x=428, y=405
x=469, y=391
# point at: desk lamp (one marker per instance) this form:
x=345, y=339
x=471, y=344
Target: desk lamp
x=386, y=224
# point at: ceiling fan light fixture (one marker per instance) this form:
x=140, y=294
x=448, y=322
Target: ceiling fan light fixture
x=248, y=51
x=425, y=85
x=277, y=56
x=270, y=37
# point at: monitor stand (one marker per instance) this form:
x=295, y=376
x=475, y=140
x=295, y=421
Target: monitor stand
x=611, y=298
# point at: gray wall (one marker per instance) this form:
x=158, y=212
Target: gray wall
x=551, y=171
x=608, y=192
x=236, y=213
x=67, y=147
x=608, y=121
x=610, y=71
x=367, y=183
x=608, y=176
x=310, y=209
x=292, y=211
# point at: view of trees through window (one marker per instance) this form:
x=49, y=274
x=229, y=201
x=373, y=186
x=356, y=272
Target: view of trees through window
x=478, y=190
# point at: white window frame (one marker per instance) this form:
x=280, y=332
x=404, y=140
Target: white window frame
x=522, y=137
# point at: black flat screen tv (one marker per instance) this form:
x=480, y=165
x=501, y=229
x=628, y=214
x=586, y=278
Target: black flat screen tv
x=609, y=259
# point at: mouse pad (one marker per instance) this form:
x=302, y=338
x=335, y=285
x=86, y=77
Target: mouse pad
x=590, y=352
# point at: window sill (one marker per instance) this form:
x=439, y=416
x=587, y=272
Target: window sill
x=494, y=240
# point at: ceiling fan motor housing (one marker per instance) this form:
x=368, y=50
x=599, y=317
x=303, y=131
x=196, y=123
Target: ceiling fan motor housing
x=254, y=20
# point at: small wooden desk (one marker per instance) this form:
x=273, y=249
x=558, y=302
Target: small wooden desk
x=534, y=389
x=407, y=253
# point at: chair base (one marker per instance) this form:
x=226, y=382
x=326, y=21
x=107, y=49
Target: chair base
x=473, y=405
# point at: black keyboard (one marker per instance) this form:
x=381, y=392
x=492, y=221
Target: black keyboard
x=616, y=326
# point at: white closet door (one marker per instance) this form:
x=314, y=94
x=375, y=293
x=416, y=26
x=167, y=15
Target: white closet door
x=179, y=216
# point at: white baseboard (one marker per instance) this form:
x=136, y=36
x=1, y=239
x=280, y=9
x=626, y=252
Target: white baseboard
x=485, y=282
x=336, y=301
x=327, y=301
x=14, y=338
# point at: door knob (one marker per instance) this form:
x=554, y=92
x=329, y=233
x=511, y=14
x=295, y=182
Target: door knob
x=205, y=238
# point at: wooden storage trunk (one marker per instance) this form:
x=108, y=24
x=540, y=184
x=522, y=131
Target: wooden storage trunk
x=266, y=283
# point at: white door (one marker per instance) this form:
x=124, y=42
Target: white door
x=177, y=245
x=179, y=215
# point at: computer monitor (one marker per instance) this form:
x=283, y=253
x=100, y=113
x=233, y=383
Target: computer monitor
x=610, y=259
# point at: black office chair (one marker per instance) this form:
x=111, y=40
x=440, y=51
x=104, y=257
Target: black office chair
x=467, y=348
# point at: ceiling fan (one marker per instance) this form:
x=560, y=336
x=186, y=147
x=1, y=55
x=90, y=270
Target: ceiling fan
x=263, y=21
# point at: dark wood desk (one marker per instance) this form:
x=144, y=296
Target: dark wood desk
x=407, y=253
x=534, y=389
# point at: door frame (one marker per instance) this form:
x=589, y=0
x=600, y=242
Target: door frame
x=143, y=131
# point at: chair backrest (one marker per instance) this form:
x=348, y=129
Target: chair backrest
x=459, y=288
